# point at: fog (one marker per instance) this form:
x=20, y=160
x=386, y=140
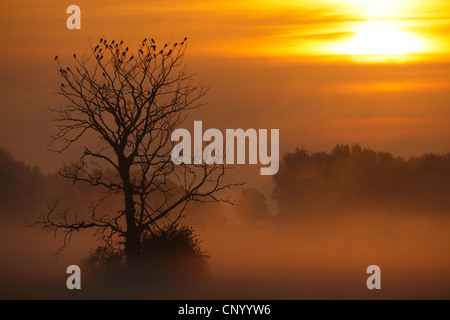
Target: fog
x=256, y=252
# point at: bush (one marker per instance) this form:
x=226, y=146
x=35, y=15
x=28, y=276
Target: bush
x=170, y=259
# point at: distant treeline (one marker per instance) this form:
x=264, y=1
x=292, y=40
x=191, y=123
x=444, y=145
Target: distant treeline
x=19, y=182
x=351, y=177
x=24, y=190
x=348, y=178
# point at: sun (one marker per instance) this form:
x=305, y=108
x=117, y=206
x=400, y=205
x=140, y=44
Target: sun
x=377, y=38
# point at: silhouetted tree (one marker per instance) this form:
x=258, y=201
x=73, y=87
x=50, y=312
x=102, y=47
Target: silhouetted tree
x=123, y=106
x=251, y=207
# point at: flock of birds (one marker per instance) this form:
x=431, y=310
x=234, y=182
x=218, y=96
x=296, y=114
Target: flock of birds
x=116, y=48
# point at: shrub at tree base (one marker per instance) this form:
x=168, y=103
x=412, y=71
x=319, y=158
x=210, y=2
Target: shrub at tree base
x=170, y=261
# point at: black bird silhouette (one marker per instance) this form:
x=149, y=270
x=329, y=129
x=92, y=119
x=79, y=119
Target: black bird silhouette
x=121, y=42
x=141, y=51
x=165, y=45
x=153, y=41
x=112, y=42
x=56, y=58
x=154, y=55
x=170, y=51
x=126, y=49
x=95, y=49
x=185, y=38
x=62, y=85
x=154, y=47
x=161, y=52
x=101, y=40
x=131, y=58
x=74, y=55
x=175, y=44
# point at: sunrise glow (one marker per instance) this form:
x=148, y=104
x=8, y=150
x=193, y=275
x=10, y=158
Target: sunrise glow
x=379, y=39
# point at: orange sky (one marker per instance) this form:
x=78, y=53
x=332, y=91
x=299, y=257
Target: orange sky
x=270, y=64
x=284, y=64
x=245, y=27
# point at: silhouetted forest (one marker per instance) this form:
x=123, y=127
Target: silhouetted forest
x=352, y=177
x=24, y=189
x=19, y=183
x=348, y=177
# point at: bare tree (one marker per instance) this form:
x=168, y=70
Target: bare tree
x=127, y=104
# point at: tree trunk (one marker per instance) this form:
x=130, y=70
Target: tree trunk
x=132, y=235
